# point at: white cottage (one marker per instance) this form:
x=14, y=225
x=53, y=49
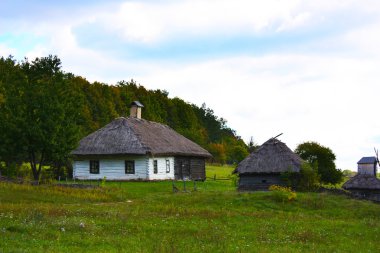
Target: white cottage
x=137, y=149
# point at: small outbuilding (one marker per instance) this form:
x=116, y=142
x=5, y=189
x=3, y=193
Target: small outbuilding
x=367, y=165
x=365, y=184
x=137, y=149
x=263, y=167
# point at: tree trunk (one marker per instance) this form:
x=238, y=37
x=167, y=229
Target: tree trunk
x=36, y=170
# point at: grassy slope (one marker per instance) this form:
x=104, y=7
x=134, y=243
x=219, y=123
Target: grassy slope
x=148, y=217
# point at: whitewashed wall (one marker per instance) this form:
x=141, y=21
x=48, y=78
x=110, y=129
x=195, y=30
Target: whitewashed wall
x=161, y=168
x=112, y=169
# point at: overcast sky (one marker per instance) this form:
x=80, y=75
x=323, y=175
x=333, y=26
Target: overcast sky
x=308, y=69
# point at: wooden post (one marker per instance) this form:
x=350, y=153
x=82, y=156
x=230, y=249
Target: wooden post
x=175, y=189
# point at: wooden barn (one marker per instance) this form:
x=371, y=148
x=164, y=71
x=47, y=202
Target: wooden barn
x=136, y=149
x=365, y=184
x=263, y=167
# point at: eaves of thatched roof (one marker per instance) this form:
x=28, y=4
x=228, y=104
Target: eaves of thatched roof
x=362, y=182
x=138, y=136
x=271, y=157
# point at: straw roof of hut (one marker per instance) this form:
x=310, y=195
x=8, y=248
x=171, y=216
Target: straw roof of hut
x=363, y=182
x=271, y=157
x=138, y=136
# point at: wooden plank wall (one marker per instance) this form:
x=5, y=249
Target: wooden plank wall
x=111, y=168
x=189, y=168
x=369, y=169
x=259, y=181
x=161, y=168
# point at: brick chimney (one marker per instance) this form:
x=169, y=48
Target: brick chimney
x=136, y=109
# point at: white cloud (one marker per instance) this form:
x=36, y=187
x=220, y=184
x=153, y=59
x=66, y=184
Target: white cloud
x=153, y=22
x=5, y=50
x=309, y=95
x=318, y=98
x=364, y=39
x=294, y=22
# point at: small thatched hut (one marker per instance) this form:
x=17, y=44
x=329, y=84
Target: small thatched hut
x=134, y=148
x=263, y=167
x=365, y=184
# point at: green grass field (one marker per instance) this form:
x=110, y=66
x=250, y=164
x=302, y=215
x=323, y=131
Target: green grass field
x=149, y=217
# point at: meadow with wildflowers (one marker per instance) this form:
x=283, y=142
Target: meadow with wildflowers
x=149, y=217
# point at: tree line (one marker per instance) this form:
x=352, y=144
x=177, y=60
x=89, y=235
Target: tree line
x=45, y=111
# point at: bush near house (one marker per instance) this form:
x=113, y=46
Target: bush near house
x=306, y=180
x=282, y=194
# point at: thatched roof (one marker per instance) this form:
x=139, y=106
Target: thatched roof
x=362, y=182
x=138, y=136
x=271, y=157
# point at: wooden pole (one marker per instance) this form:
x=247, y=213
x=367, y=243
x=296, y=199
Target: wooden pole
x=277, y=136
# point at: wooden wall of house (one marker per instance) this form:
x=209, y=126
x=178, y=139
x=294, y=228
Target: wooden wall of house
x=252, y=182
x=198, y=168
x=370, y=169
x=161, y=174
x=373, y=195
x=111, y=168
x=189, y=168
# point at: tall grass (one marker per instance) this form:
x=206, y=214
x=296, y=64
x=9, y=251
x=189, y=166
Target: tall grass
x=149, y=217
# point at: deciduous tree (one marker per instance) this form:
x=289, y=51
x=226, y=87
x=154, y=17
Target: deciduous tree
x=41, y=111
x=322, y=159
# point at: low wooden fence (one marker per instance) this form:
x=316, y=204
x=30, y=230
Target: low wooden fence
x=215, y=178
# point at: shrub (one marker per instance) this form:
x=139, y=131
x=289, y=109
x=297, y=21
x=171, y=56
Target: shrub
x=103, y=182
x=306, y=180
x=282, y=194
x=234, y=180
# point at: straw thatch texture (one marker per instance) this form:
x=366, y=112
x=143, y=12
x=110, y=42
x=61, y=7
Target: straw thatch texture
x=362, y=181
x=138, y=136
x=271, y=157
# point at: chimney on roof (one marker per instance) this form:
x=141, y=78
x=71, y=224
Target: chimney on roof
x=136, y=109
